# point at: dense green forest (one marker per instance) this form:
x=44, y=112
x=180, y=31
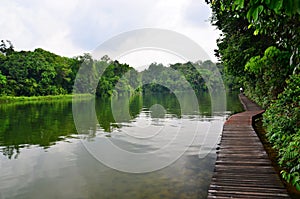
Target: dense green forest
x=197, y=77
x=42, y=73
x=259, y=49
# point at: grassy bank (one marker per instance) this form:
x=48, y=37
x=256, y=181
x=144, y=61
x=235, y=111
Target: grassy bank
x=11, y=99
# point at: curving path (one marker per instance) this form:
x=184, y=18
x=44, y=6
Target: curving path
x=243, y=168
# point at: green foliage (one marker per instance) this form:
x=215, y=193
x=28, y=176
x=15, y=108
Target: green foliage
x=118, y=78
x=254, y=12
x=283, y=126
x=158, y=78
x=6, y=47
x=259, y=48
x=199, y=77
x=42, y=73
x=36, y=73
x=279, y=19
x=270, y=72
x=3, y=80
x=254, y=65
x=237, y=44
x=23, y=99
x=87, y=75
x=288, y=7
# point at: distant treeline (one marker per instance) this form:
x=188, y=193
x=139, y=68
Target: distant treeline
x=199, y=77
x=41, y=73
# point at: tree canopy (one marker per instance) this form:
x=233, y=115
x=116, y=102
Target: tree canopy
x=40, y=73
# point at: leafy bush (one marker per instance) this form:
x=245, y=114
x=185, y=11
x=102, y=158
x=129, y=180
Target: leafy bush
x=270, y=72
x=283, y=127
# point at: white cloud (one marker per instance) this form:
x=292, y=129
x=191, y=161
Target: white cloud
x=192, y=20
x=32, y=24
x=72, y=27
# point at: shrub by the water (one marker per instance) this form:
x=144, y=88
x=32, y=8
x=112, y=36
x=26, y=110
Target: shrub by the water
x=282, y=120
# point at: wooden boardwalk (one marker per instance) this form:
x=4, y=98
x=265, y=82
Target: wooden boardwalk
x=243, y=168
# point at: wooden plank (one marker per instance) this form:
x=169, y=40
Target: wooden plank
x=248, y=188
x=234, y=182
x=248, y=194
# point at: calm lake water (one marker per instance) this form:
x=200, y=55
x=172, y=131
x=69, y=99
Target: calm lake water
x=43, y=156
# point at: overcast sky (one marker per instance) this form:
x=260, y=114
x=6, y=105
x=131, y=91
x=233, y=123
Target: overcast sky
x=73, y=27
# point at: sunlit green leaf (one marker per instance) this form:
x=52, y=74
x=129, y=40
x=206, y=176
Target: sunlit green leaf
x=256, y=11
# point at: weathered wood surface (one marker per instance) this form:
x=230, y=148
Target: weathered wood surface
x=243, y=168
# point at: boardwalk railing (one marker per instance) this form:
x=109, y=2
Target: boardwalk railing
x=243, y=168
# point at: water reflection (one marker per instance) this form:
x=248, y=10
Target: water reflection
x=40, y=124
x=43, y=157
x=43, y=124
